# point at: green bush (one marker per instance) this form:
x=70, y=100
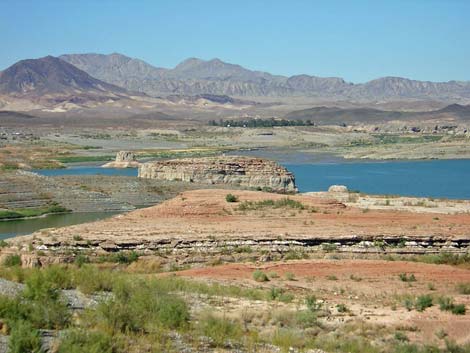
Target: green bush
x=3, y=244
x=447, y=304
x=463, y=288
x=459, y=309
x=24, y=338
x=405, y=278
x=89, y=279
x=312, y=303
x=287, y=338
x=124, y=257
x=80, y=260
x=342, y=308
x=12, y=260
x=220, y=330
x=260, y=276
x=138, y=306
x=80, y=341
x=423, y=302
x=281, y=203
x=289, y=276
x=400, y=336
x=44, y=306
x=231, y=198
x=306, y=318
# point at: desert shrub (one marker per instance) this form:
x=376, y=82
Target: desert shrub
x=329, y=247
x=80, y=260
x=408, y=304
x=220, y=330
x=295, y=255
x=405, y=278
x=78, y=341
x=12, y=260
x=447, y=304
x=273, y=274
x=124, y=257
x=339, y=343
x=289, y=276
x=10, y=309
x=444, y=258
x=463, y=288
x=342, y=308
x=281, y=203
x=286, y=297
x=3, y=244
x=312, y=303
x=355, y=278
x=44, y=306
x=287, y=338
x=423, y=302
x=139, y=306
x=90, y=279
x=24, y=338
x=459, y=309
x=331, y=278
x=400, y=336
x=60, y=276
x=306, y=318
x=145, y=265
x=231, y=198
x=260, y=276
x=274, y=293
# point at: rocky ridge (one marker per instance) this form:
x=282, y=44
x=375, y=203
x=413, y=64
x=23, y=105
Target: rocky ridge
x=234, y=170
x=195, y=76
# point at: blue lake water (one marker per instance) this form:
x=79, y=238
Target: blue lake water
x=14, y=228
x=434, y=178
x=88, y=170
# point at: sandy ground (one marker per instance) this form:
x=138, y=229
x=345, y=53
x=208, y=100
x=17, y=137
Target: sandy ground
x=205, y=214
x=371, y=290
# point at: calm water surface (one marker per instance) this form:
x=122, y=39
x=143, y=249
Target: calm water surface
x=436, y=178
x=10, y=229
x=88, y=170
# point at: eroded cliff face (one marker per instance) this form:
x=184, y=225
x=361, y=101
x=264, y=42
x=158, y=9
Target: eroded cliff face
x=124, y=159
x=234, y=170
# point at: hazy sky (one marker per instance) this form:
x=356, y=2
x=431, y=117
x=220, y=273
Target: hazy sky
x=357, y=40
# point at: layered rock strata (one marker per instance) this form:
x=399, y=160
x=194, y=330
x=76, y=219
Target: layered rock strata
x=245, y=172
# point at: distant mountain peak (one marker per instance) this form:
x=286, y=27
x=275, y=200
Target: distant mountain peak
x=49, y=75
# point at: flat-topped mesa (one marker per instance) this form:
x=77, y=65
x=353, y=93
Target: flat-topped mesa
x=247, y=172
x=124, y=159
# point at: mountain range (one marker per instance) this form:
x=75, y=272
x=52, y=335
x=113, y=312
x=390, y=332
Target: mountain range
x=116, y=81
x=195, y=76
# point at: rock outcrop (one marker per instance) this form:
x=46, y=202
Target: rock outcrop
x=245, y=172
x=124, y=159
x=338, y=188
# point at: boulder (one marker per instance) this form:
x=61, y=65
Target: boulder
x=247, y=172
x=337, y=188
x=124, y=159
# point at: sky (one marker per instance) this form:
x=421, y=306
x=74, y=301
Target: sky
x=358, y=40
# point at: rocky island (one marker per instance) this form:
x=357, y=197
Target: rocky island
x=240, y=171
